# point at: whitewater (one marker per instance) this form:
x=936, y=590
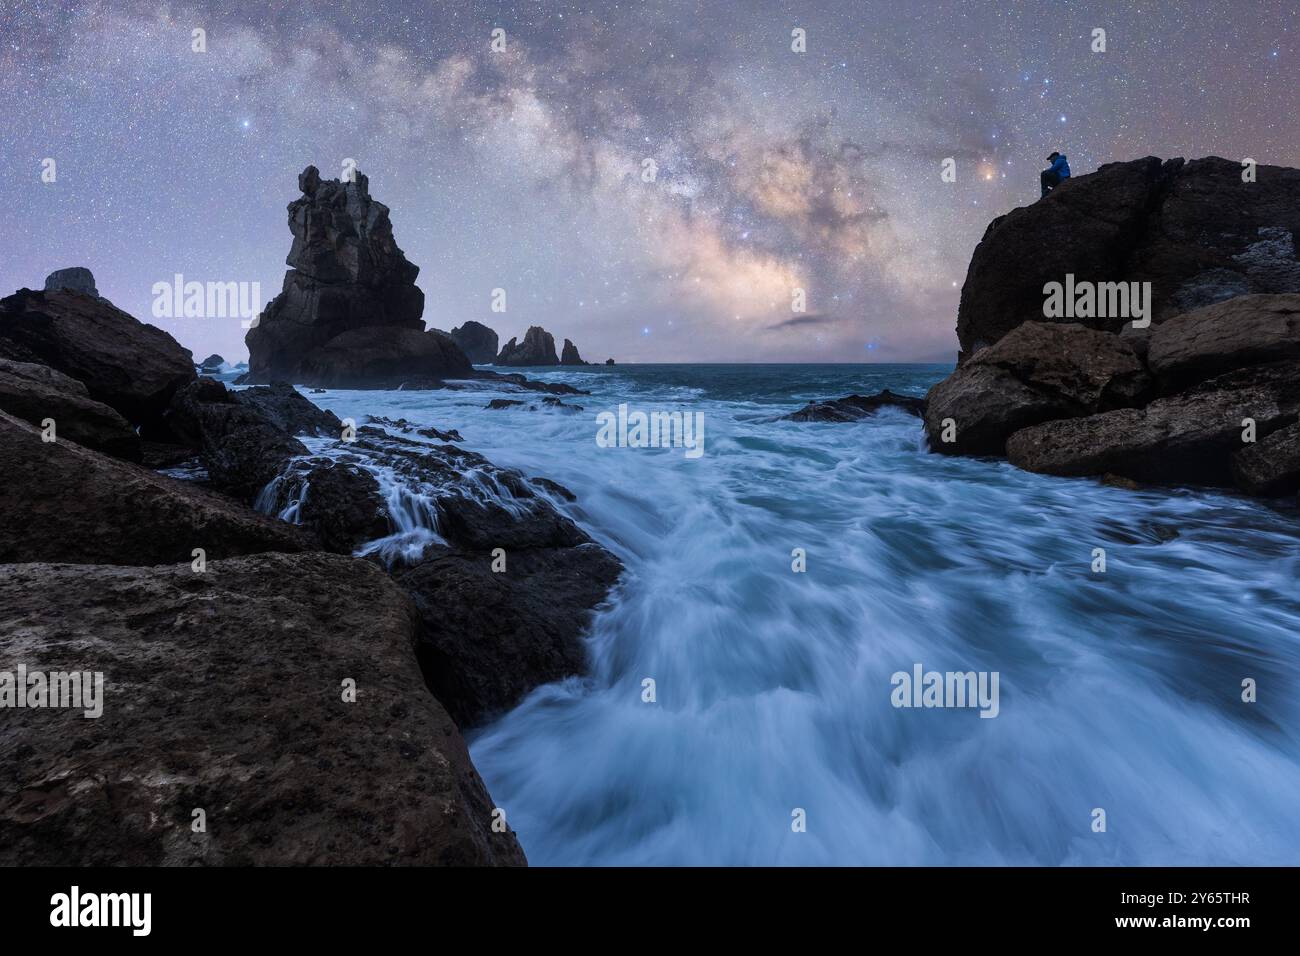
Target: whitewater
x=1119, y=691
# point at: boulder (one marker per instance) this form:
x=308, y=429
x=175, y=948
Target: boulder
x=35, y=392
x=1038, y=372
x=349, y=289
x=1185, y=439
x=1194, y=230
x=538, y=348
x=124, y=363
x=854, y=408
x=477, y=341
x=242, y=447
x=1270, y=466
x=338, y=501
x=1247, y=330
x=76, y=279
x=64, y=502
x=225, y=691
x=489, y=638
x=569, y=355
x=289, y=411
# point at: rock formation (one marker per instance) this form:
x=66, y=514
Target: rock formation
x=37, y=393
x=76, y=279
x=1194, y=230
x=569, y=355
x=133, y=367
x=538, y=348
x=477, y=341
x=1209, y=394
x=212, y=363
x=609, y=361
x=853, y=408
x=349, y=313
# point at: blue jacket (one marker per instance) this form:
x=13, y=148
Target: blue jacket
x=1061, y=167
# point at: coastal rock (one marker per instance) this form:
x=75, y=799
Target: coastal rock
x=212, y=363
x=1190, y=438
x=75, y=279
x=241, y=446
x=338, y=501
x=569, y=355
x=489, y=638
x=124, y=363
x=1270, y=466
x=853, y=408
x=538, y=348
x=289, y=411
x=609, y=361
x=1194, y=230
x=1038, y=372
x=349, y=313
x=1248, y=330
x=35, y=392
x=67, y=503
x=504, y=403
x=226, y=691
x=477, y=341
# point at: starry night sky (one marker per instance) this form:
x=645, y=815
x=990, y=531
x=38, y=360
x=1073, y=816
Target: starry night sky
x=523, y=169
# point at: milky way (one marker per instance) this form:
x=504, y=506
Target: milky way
x=652, y=180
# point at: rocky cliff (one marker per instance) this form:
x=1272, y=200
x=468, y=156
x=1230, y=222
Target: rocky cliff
x=477, y=341
x=537, y=348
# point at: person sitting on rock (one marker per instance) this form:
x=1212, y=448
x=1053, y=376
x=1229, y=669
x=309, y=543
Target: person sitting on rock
x=1055, y=174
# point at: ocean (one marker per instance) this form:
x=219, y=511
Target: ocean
x=773, y=735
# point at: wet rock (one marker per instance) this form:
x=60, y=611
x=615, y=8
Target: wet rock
x=1270, y=466
x=402, y=425
x=537, y=348
x=503, y=403
x=1249, y=330
x=124, y=363
x=35, y=393
x=1185, y=439
x=1038, y=372
x=289, y=411
x=64, y=502
x=225, y=691
x=338, y=501
x=854, y=408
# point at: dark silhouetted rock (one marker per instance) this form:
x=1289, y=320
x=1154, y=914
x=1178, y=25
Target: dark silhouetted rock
x=338, y=501
x=504, y=403
x=349, y=313
x=569, y=354
x=853, y=408
x=35, y=392
x=76, y=279
x=529, y=385
x=64, y=502
x=477, y=341
x=225, y=690
x=1248, y=330
x=609, y=361
x=538, y=348
x=1194, y=230
x=1037, y=373
x=289, y=411
x=212, y=363
x=133, y=367
x=1190, y=438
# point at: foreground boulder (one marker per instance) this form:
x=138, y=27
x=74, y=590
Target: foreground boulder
x=537, y=348
x=36, y=393
x=1194, y=230
x=853, y=408
x=1248, y=330
x=349, y=313
x=225, y=692
x=1190, y=438
x=477, y=341
x=124, y=363
x=1038, y=372
x=67, y=503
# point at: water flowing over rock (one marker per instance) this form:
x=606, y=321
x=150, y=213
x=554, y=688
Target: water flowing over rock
x=124, y=363
x=477, y=341
x=1194, y=230
x=227, y=690
x=538, y=348
x=350, y=312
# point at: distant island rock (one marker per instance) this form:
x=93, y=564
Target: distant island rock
x=349, y=315
x=477, y=341
x=569, y=354
x=1209, y=394
x=538, y=348
x=212, y=363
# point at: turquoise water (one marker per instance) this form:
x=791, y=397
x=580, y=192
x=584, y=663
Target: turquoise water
x=1119, y=691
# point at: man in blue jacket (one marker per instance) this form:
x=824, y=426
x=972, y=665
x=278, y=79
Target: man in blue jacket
x=1055, y=174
